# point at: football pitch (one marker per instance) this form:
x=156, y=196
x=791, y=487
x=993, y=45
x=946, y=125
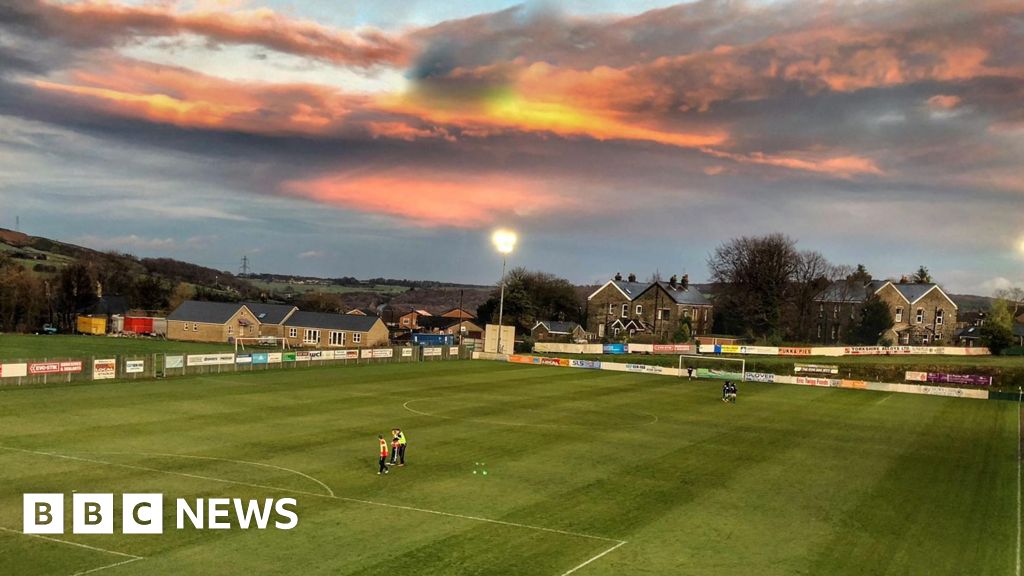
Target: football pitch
x=519, y=470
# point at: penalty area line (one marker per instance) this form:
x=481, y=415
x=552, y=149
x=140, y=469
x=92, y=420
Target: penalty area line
x=597, y=557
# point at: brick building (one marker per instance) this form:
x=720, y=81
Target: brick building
x=631, y=307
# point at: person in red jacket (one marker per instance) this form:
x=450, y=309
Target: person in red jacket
x=383, y=454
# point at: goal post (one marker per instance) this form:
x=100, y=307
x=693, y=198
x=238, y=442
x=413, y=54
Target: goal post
x=261, y=342
x=717, y=367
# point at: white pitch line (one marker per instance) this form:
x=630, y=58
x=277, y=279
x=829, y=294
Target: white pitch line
x=130, y=557
x=599, y=556
x=319, y=495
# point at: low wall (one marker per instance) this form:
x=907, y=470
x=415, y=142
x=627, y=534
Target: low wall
x=706, y=373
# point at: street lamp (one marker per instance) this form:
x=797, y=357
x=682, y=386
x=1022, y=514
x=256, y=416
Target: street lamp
x=504, y=241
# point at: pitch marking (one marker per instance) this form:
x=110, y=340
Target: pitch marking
x=130, y=557
x=617, y=543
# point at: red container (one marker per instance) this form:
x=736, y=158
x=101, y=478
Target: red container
x=138, y=325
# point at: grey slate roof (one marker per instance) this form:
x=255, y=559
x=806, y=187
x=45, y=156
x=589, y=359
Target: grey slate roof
x=349, y=322
x=913, y=291
x=207, y=312
x=690, y=296
x=270, y=313
x=631, y=289
x=844, y=291
x=969, y=332
x=558, y=327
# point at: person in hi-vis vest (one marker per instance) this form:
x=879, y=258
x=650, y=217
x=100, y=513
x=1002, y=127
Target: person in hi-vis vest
x=401, y=447
x=383, y=454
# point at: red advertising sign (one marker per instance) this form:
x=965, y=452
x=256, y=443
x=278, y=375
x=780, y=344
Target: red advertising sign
x=44, y=368
x=673, y=349
x=36, y=368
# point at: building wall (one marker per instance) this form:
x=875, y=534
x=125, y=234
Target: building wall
x=206, y=332
x=833, y=327
x=376, y=336
x=658, y=299
x=597, y=308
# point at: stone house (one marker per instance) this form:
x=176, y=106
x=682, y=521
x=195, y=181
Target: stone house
x=222, y=321
x=922, y=313
x=323, y=330
x=647, y=307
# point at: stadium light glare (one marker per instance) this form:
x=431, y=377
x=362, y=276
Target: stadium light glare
x=504, y=240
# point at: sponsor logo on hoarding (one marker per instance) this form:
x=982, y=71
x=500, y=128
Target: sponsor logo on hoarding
x=614, y=349
x=824, y=382
x=317, y=355
x=288, y=356
x=644, y=368
x=143, y=513
x=453, y=351
x=437, y=351
x=550, y=361
x=672, y=348
x=816, y=369
x=135, y=366
x=759, y=377
x=383, y=353
x=69, y=367
x=406, y=352
x=346, y=354
x=210, y=359
x=302, y=356
x=274, y=357
x=174, y=362
x=260, y=358
x=105, y=369
x=243, y=359
x=876, y=350
x=591, y=364
x=789, y=351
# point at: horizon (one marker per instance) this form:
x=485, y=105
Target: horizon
x=390, y=140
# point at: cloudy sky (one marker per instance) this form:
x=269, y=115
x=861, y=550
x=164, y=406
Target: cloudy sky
x=388, y=138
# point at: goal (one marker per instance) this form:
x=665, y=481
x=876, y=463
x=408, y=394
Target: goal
x=261, y=342
x=716, y=367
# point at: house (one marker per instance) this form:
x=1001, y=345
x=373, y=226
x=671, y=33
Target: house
x=448, y=325
x=323, y=330
x=654, y=307
x=459, y=313
x=411, y=320
x=211, y=322
x=554, y=330
x=271, y=317
x=922, y=312
x=362, y=312
x=665, y=306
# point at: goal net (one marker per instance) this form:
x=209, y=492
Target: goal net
x=261, y=342
x=714, y=367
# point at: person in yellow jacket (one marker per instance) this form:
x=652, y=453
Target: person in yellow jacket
x=401, y=447
x=383, y=454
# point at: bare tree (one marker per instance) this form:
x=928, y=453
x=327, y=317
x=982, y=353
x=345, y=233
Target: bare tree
x=1014, y=297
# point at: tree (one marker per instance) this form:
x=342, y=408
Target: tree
x=813, y=274
x=320, y=302
x=754, y=274
x=861, y=275
x=23, y=304
x=997, y=333
x=922, y=276
x=1014, y=298
x=875, y=319
x=76, y=289
x=532, y=296
x=181, y=293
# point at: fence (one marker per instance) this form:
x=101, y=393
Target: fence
x=633, y=348
x=162, y=365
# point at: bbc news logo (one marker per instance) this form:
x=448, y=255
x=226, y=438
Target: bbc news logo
x=144, y=513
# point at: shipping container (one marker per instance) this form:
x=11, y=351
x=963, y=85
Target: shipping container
x=433, y=339
x=138, y=325
x=92, y=325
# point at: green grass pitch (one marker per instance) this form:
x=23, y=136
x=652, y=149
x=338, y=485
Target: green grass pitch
x=788, y=481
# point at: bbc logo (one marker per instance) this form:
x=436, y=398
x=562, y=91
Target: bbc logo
x=93, y=514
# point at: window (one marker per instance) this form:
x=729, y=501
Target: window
x=405, y=321
x=311, y=337
x=835, y=332
x=600, y=330
x=639, y=309
x=611, y=308
x=231, y=330
x=293, y=332
x=195, y=326
x=705, y=314
x=819, y=331
x=821, y=310
x=625, y=310
x=899, y=314
x=664, y=314
x=938, y=317
x=632, y=331
x=686, y=313
x=924, y=339
x=185, y=326
x=920, y=315
x=357, y=338
x=337, y=338
x=616, y=331
x=835, y=312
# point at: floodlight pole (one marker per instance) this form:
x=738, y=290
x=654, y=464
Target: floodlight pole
x=501, y=301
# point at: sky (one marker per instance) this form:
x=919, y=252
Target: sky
x=390, y=138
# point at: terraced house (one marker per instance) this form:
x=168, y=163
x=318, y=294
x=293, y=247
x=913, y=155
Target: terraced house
x=922, y=313
x=627, y=307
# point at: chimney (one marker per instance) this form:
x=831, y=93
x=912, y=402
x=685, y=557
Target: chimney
x=686, y=279
x=632, y=277
x=618, y=277
x=904, y=279
x=672, y=281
